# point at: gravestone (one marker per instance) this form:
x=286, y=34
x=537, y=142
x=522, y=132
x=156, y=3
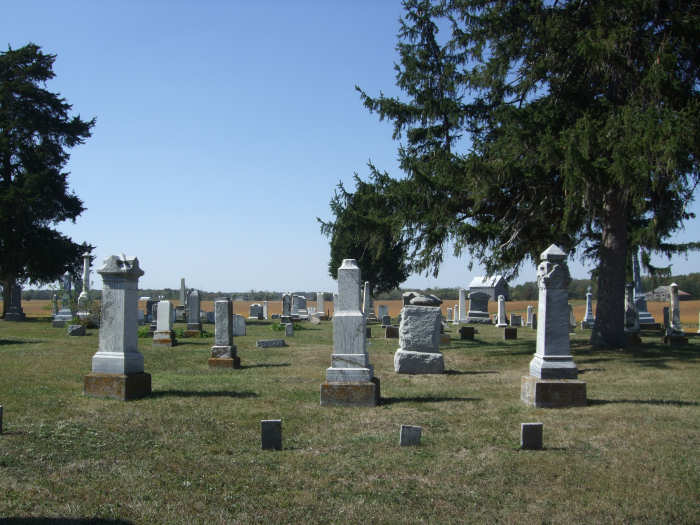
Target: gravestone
x=320, y=303
x=54, y=304
x=531, y=436
x=510, y=332
x=455, y=314
x=14, y=310
x=467, y=333
x=209, y=317
x=534, y=321
x=289, y=329
x=419, y=341
x=287, y=304
x=164, y=336
x=631, y=316
x=448, y=317
x=238, y=325
x=391, y=332
x=270, y=343
x=552, y=381
x=478, y=308
x=271, y=434
x=516, y=320
x=675, y=334
x=194, y=324
x=640, y=301
x=667, y=320
x=386, y=320
x=588, y=319
x=463, y=315
x=409, y=435
x=528, y=321
x=265, y=310
x=501, y=316
x=117, y=367
x=223, y=353
x=65, y=314
x=183, y=292
x=76, y=330
x=84, y=297
x=255, y=311
x=350, y=379
x=299, y=308
x=383, y=311
x=572, y=320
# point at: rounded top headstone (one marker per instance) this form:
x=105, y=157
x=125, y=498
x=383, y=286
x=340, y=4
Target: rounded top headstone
x=553, y=253
x=121, y=265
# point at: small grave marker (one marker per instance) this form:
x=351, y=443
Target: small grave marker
x=271, y=434
x=531, y=436
x=409, y=436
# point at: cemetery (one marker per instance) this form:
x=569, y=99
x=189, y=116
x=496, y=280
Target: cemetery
x=202, y=434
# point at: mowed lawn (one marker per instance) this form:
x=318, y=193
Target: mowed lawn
x=190, y=453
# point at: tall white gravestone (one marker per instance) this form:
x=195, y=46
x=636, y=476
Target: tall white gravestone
x=588, y=319
x=640, y=301
x=462, y=306
x=501, y=321
x=350, y=380
x=528, y=321
x=266, y=306
x=65, y=314
x=320, y=304
x=117, y=367
x=163, y=334
x=552, y=380
x=223, y=353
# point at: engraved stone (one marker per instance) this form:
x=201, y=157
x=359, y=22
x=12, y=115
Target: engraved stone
x=409, y=435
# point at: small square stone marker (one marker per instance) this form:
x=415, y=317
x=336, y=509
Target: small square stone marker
x=271, y=434
x=409, y=436
x=531, y=436
x=0, y=419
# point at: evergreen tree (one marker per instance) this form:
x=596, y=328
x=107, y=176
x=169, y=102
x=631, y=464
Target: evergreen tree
x=532, y=122
x=363, y=230
x=35, y=132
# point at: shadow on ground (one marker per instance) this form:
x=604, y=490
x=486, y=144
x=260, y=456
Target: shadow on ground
x=469, y=372
x=426, y=399
x=266, y=365
x=18, y=341
x=202, y=393
x=64, y=521
x=659, y=402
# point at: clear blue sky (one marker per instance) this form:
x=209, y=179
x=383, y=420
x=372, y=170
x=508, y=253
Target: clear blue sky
x=222, y=130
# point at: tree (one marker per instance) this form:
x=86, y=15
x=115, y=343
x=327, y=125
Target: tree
x=533, y=122
x=363, y=229
x=35, y=132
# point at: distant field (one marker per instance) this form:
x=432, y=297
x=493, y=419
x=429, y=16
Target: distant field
x=689, y=309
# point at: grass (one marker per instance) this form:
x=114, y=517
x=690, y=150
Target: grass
x=191, y=451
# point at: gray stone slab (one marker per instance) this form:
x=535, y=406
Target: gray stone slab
x=409, y=362
x=289, y=330
x=271, y=434
x=409, y=435
x=531, y=436
x=76, y=329
x=420, y=329
x=270, y=343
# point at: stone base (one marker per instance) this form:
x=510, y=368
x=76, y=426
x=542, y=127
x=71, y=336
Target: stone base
x=194, y=326
x=351, y=394
x=408, y=362
x=478, y=317
x=117, y=386
x=165, y=338
x=14, y=316
x=675, y=340
x=58, y=324
x=510, y=333
x=552, y=393
x=192, y=333
x=224, y=362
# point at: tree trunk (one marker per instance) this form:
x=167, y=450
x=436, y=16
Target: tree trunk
x=6, y=288
x=609, y=329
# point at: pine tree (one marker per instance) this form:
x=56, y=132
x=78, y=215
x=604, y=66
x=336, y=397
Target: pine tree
x=35, y=132
x=533, y=122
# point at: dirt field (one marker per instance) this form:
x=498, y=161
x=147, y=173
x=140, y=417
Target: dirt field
x=689, y=309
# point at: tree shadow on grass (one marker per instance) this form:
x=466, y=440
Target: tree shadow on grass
x=65, y=521
x=658, y=402
x=18, y=341
x=186, y=341
x=425, y=399
x=265, y=365
x=202, y=393
x=469, y=372
x=584, y=370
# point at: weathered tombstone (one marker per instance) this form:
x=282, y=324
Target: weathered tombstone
x=631, y=316
x=299, y=308
x=588, y=319
x=140, y=317
x=463, y=316
x=265, y=310
x=419, y=341
x=194, y=324
x=391, y=332
x=238, y=325
x=163, y=336
x=516, y=320
x=466, y=333
x=455, y=314
x=316, y=320
x=183, y=292
x=76, y=330
x=223, y=353
x=255, y=311
x=117, y=367
x=383, y=311
x=531, y=436
x=528, y=322
x=572, y=319
x=478, y=308
x=287, y=304
x=675, y=334
x=409, y=435
x=510, y=332
x=552, y=381
x=209, y=317
x=501, y=316
x=386, y=320
x=534, y=321
x=448, y=317
x=350, y=380
x=640, y=301
x=14, y=305
x=270, y=343
x=271, y=434
x=65, y=314
x=289, y=329
x=320, y=303
x=667, y=320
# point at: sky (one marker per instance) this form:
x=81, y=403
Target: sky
x=223, y=128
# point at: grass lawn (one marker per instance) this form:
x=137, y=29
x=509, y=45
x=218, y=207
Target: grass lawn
x=190, y=453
